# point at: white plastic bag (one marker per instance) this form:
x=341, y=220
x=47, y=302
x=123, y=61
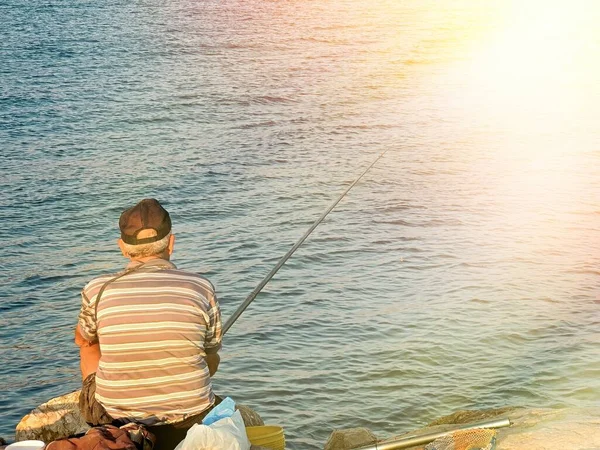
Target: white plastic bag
x=224, y=434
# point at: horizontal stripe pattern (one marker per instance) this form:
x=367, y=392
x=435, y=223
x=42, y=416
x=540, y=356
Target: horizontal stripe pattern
x=155, y=326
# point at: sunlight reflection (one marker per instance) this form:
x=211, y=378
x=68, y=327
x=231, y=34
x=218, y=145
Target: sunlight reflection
x=533, y=79
x=544, y=61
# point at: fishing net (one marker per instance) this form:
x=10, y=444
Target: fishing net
x=475, y=439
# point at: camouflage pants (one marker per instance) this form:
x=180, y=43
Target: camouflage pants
x=92, y=411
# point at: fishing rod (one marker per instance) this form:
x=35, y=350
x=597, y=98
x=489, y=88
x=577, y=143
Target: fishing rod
x=290, y=252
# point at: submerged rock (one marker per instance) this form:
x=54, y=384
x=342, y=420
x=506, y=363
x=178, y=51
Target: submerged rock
x=531, y=429
x=470, y=416
x=60, y=418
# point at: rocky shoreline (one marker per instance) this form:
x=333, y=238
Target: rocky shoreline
x=531, y=429
x=60, y=418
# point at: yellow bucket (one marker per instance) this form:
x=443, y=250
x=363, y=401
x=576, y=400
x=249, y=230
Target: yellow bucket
x=268, y=436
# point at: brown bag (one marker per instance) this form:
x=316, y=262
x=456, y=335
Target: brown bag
x=107, y=437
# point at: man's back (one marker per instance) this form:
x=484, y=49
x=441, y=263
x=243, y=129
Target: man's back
x=155, y=326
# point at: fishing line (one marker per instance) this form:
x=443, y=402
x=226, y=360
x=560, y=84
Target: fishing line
x=291, y=251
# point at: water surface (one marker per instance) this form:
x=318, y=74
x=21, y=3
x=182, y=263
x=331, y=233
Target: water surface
x=462, y=272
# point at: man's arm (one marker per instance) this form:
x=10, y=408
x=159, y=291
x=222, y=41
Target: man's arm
x=89, y=354
x=212, y=361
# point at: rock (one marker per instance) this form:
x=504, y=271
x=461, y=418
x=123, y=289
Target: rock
x=56, y=419
x=350, y=438
x=468, y=416
x=552, y=429
x=531, y=429
x=251, y=417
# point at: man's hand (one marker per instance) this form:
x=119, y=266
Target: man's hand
x=212, y=361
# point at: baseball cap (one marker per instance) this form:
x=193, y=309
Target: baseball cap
x=146, y=215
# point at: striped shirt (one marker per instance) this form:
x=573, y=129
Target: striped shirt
x=155, y=326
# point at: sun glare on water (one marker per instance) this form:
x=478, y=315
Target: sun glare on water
x=541, y=66
x=527, y=97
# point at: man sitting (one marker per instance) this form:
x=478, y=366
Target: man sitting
x=149, y=336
